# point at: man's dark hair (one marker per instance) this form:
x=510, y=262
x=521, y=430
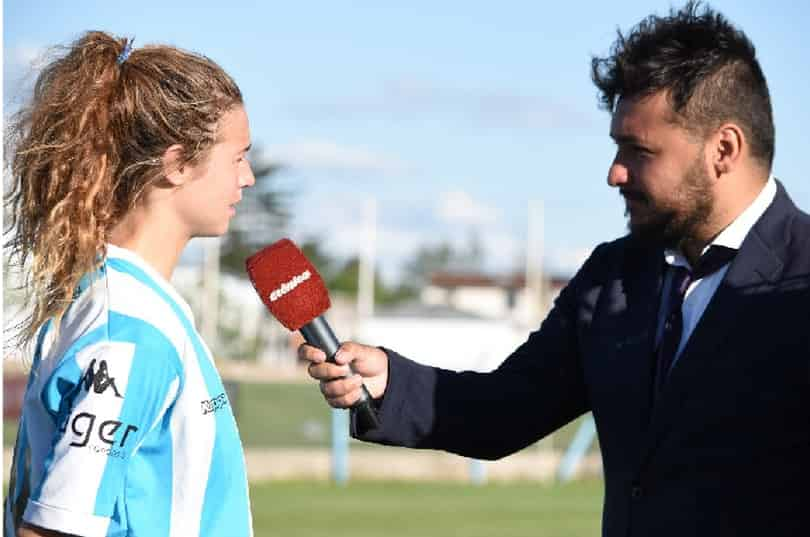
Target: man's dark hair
x=708, y=67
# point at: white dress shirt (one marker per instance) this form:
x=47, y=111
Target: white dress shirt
x=700, y=292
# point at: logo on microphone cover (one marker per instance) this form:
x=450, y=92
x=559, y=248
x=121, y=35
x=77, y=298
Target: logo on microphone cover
x=288, y=286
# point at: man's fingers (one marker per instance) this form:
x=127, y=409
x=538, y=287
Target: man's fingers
x=342, y=393
x=341, y=379
x=349, y=351
x=346, y=401
x=311, y=354
x=326, y=371
x=342, y=387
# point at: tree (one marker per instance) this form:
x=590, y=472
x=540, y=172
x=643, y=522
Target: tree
x=473, y=257
x=346, y=280
x=323, y=262
x=428, y=259
x=444, y=257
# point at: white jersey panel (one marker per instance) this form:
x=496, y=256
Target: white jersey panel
x=89, y=431
x=126, y=428
x=194, y=444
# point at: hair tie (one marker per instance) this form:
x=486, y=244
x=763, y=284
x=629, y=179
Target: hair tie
x=126, y=52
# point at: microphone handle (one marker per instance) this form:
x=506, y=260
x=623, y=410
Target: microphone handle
x=319, y=334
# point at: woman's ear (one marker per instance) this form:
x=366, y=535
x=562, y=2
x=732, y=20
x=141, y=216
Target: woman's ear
x=176, y=172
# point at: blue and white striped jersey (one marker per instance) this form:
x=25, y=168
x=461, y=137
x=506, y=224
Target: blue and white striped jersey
x=126, y=428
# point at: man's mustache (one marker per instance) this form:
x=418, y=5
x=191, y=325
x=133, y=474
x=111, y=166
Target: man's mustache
x=634, y=195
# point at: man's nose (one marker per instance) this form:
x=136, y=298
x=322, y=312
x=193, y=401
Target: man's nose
x=617, y=174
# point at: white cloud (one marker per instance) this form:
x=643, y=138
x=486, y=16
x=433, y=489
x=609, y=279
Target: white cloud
x=330, y=155
x=26, y=58
x=21, y=66
x=339, y=221
x=458, y=207
x=346, y=235
x=27, y=55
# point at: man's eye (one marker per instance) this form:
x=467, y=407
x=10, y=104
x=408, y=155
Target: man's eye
x=642, y=150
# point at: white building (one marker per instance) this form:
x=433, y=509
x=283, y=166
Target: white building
x=493, y=297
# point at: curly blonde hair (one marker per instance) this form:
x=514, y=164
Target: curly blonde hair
x=88, y=144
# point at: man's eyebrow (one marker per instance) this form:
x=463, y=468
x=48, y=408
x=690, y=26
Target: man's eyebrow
x=625, y=138
x=245, y=150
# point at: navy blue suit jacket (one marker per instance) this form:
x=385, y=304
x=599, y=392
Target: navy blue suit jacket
x=725, y=450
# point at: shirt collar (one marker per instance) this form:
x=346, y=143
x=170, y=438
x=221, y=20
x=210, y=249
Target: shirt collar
x=114, y=251
x=734, y=234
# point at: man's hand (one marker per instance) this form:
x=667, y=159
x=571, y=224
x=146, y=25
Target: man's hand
x=355, y=365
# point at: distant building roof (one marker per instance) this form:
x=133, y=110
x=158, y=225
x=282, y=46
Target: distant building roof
x=421, y=310
x=470, y=279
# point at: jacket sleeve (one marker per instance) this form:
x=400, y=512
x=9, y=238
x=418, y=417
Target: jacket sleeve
x=536, y=390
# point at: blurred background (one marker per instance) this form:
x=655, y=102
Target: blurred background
x=444, y=167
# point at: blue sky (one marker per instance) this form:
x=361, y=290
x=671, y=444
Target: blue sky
x=451, y=115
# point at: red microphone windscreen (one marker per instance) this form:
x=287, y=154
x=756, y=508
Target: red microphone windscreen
x=288, y=284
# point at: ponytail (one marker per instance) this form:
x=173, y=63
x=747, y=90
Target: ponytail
x=86, y=147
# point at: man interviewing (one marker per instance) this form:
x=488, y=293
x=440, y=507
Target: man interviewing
x=688, y=339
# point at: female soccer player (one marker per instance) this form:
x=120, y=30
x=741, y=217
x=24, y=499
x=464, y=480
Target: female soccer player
x=120, y=158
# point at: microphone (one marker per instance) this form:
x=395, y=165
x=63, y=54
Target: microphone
x=294, y=292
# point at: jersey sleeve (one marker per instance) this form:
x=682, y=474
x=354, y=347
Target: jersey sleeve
x=105, y=398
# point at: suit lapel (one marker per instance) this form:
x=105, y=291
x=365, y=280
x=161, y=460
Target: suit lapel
x=755, y=265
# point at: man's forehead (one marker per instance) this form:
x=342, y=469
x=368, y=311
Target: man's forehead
x=635, y=115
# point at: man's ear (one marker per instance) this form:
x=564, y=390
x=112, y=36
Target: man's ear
x=726, y=148
x=176, y=172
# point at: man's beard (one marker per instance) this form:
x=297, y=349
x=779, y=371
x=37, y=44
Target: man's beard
x=669, y=223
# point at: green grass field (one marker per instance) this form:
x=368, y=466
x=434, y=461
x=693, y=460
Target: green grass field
x=366, y=509
x=289, y=415
x=307, y=509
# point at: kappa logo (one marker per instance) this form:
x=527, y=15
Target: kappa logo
x=99, y=379
x=209, y=406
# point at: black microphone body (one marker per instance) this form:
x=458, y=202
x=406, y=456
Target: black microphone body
x=319, y=334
